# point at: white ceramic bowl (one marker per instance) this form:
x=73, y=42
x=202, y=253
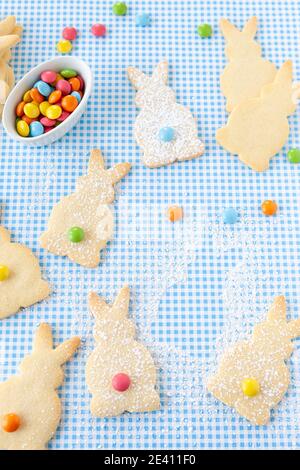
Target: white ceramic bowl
x=15, y=96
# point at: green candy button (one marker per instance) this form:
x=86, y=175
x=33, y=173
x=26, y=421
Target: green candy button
x=204, y=30
x=294, y=155
x=68, y=73
x=119, y=8
x=76, y=234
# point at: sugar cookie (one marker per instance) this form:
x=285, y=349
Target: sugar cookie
x=21, y=284
x=10, y=34
x=258, y=128
x=247, y=72
x=120, y=372
x=165, y=130
x=30, y=408
x=81, y=224
x=252, y=376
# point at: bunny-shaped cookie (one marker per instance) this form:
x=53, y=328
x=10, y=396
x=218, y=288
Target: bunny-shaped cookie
x=10, y=34
x=252, y=376
x=29, y=400
x=165, y=130
x=21, y=284
x=120, y=372
x=247, y=72
x=81, y=224
x=258, y=128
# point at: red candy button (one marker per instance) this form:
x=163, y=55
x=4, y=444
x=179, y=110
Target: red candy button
x=121, y=382
x=70, y=33
x=98, y=30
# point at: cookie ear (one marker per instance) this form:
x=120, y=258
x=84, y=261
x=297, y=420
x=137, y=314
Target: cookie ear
x=278, y=309
x=250, y=27
x=7, y=25
x=96, y=161
x=65, y=350
x=228, y=29
x=8, y=41
x=121, y=303
x=97, y=305
x=18, y=30
x=138, y=78
x=117, y=172
x=285, y=73
x=43, y=339
x=161, y=72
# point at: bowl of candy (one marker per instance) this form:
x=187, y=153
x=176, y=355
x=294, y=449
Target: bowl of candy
x=48, y=101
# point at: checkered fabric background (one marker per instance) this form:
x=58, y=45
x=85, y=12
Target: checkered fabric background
x=196, y=285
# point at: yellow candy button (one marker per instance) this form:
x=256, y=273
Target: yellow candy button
x=4, y=272
x=43, y=107
x=23, y=128
x=27, y=97
x=250, y=387
x=53, y=112
x=31, y=110
x=64, y=46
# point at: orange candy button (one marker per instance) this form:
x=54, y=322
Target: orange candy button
x=269, y=207
x=11, y=422
x=69, y=103
x=36, y=95
x=28, y=119
x=174, y=213
x=20, y=109
x=55, y=96
x=75, y=83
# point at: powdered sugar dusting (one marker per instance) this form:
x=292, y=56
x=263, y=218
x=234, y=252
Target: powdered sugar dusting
x=159, y=110
x=85, y=208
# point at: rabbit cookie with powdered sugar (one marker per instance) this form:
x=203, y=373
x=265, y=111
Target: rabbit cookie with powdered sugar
x=31, y=395
x=118, y=355
x=86, y=208
x=159, y=110
x=258, y=127
x=260, y=361
x=247, y=72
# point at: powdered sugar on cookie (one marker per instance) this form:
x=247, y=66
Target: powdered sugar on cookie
x=165, y=130
x=81, y=224
x=120, y=372
x=252, y=376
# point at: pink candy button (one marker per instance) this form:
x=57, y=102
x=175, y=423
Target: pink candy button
x=64, y=87
x=63, y=116
x=48, y=76
x=47, y=122
x=121, y=382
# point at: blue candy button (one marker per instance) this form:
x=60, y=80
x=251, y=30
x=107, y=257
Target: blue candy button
x=77, y=95
x=230, y=216
x=166, y=134
x=36, y=128
x=143, y=19
x=43, y=88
